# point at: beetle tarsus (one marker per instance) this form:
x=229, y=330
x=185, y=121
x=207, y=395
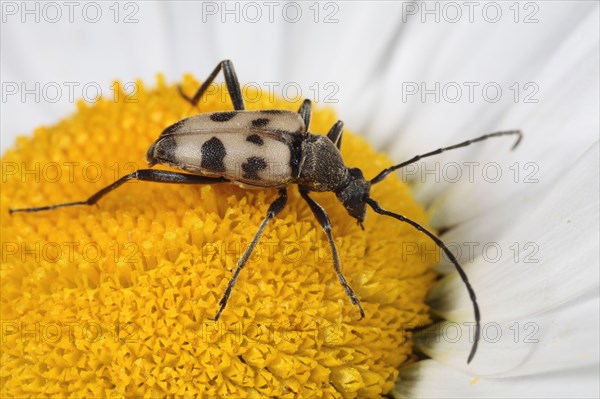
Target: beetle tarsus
x=47, y=208
x=182, y=94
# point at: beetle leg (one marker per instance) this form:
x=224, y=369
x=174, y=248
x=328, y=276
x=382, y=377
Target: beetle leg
x=335, y=134
x=323, y=219
x=155, y=175
x=304, y=112
x=233, y=86
x=274, y=209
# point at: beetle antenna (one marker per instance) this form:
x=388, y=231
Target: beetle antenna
x=378, y=209
x=383, y=174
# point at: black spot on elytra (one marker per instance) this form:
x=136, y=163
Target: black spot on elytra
x=165, y=148
x=256, y=139
x=252, y=166
x=260, y=122
x=213, y=154
x=222, y=116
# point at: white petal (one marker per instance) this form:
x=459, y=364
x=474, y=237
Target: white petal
x=562, y=227
x=347, y=53
x=77, y=58
x=332, y=52
x=429, y=379
x=463, y=52
x=562, y=339
x=504, y=54
x=468, y=239
x=557, y=131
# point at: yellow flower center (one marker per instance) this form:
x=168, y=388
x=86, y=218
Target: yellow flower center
x=115, y=300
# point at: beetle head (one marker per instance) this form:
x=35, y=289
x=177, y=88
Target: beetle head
x=354, y=195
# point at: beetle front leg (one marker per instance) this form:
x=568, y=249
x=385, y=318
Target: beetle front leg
x=233, y=86
x=274, y=209
x=323, y=219
x=155, y=175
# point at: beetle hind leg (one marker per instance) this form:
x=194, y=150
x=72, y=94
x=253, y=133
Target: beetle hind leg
x=274, y=209
x=323, y=219
x=155, y=175
x=231, y=80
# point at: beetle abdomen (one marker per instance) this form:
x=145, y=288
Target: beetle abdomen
x=250, y=147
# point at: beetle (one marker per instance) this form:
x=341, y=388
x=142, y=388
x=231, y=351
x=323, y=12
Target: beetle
x=272, y=149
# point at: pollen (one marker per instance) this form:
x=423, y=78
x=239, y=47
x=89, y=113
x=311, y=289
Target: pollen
x=116, y=300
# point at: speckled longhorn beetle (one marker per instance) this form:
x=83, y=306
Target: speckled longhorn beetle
x=272, y=149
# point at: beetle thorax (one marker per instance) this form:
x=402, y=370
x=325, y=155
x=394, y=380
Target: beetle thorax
x=321, y=165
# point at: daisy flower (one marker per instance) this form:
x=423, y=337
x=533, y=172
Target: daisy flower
x=410, y=77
